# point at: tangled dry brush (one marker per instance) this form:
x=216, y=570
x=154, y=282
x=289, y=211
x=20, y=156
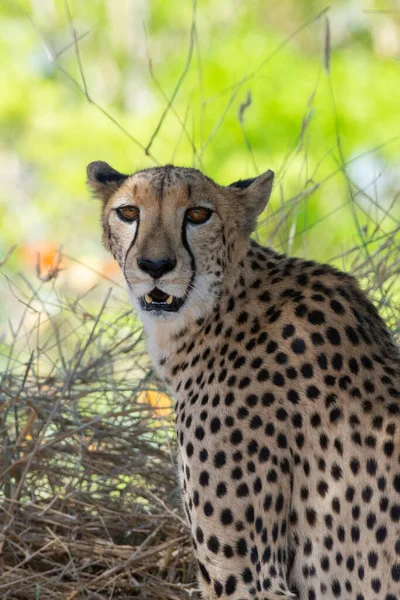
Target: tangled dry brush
x=89, y=504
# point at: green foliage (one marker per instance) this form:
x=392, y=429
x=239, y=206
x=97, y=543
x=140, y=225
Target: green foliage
x=132, y=56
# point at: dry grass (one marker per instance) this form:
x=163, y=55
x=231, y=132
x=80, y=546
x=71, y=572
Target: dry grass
x=90, y=506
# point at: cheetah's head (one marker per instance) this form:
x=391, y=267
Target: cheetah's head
x=176, y=233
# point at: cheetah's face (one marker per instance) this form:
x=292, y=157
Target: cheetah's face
x=175, y=233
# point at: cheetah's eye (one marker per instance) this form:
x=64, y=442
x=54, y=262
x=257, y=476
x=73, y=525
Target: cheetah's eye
x=128, y=213
x=198, y=215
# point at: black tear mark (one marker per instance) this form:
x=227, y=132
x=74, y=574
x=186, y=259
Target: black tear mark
x=192, y=259
x=130, y=247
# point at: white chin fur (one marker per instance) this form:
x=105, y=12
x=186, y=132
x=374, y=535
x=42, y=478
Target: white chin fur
x=161, y=327
x=199, y=301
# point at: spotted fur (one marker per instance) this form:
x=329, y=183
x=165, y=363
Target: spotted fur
x=287, y=400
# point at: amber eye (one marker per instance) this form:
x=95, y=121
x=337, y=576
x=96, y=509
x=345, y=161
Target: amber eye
x=198, y=214
x=128, y=213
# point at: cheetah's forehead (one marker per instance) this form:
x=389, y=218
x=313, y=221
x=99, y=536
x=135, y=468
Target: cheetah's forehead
x=159, y=182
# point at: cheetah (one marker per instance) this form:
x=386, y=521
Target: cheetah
x=287, y=391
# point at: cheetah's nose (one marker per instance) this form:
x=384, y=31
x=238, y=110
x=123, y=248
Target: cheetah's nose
x=156, y=268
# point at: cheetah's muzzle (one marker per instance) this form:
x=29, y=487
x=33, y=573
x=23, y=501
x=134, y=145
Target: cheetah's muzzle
x=158, y=301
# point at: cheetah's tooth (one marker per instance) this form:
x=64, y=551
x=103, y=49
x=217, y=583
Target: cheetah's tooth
x=169, y=300
x=148, y=299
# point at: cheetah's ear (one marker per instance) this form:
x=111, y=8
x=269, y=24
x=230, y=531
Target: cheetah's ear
x=103, y=180
x=255, y=193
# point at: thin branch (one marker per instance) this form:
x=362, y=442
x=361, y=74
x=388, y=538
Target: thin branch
x=7, y=255
x=272, y=54
x=53, y=59
x=180, y=80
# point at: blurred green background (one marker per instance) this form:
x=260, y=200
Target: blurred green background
x=246, y=86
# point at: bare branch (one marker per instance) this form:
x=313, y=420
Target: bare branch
x=180, y=80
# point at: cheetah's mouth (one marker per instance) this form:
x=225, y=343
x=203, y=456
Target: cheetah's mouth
x=157, y=300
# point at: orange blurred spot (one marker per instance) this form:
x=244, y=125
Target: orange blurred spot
x=161, y=403
x=110, y=268
x=48, y=255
